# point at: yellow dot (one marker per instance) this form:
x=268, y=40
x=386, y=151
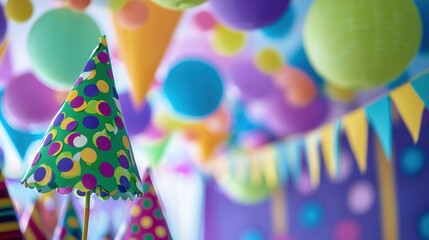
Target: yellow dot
x=89, y=155
x=72, y=222
x=227, y=41
x=92, y=74
x=146, y=222
x=268, y=60
x=135, y=211
x=126, y=142
x=103, y=86
x=72, y=95
x=160, y=231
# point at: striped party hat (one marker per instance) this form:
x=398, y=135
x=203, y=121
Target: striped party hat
x=9, y=227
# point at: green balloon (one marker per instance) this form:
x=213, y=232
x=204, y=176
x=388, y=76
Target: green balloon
x=58, y=45
x=179, y=4
x=361, y=44
x=243, y=191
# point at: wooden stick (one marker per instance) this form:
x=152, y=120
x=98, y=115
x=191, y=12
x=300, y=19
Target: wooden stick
x=86, y=215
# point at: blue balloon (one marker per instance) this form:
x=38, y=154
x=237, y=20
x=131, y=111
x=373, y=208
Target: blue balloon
x=194, y=88
x=282, y=26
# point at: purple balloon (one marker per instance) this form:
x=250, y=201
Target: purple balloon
x=283, y=118
x=251, y=82
x=3, y=24
x=249, y=14
x=28, y=103
x=136, y=118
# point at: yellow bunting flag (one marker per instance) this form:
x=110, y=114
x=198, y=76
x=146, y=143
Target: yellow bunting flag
x=269, y=161
x=313, y=159
x=356, y=128
x=255, y=169
x=410, y=107
x=329, y=136
x=143, y=48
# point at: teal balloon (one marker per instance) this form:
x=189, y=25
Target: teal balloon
x=281, y=27
x=59, y=44
x=311, y=215
x=412, y=161
x=194, y=88
x=424, y=226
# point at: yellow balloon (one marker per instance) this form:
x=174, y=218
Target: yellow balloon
x=339, y=94
x=268, y=60
x=227, y=41
x=18, y=10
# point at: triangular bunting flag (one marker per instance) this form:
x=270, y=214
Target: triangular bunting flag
x=410, y=107
x=421, y=86
x=69, y=226
x=293, y=150
x=87, y=148
x=330, y=141
x=379, y=116
x=147, y=220
x=313, y=159
x=281, y=161
x=269, y=165
x=135, y=43
x=9, y=227
x=155, y=150
x=255, y=169
x=356, y=128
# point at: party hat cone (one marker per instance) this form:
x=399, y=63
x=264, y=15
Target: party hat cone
x=41, y=222
x=147, y=221
x=68, y=227
x=86, y=147
x=9, y=227
x=142, y=48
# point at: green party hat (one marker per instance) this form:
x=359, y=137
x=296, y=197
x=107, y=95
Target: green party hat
x=69, y=226
x=87, y=148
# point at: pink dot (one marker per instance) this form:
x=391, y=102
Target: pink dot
x=347, y=229
x=361, y=197
x=204, y=20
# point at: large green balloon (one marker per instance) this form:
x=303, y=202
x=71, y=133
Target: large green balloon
x=179, y=4
x=359, y=44
x=243, y=191
x=58, y=45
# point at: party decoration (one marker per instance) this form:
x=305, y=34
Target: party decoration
x=311, y=215
x=136, y=117
x=423, y=7
x=31, y=106
x=87, y=148
x=330, y=135
x=179, y=4
x=133, y=14
x=268, y=60
x=57, y=56
x=3, y=25
x=299, y=89
x=250, y=14
x=193, y=88
x=9, y=227
x=204, y=20
x=147, y=218
x=412, y=161
x=68, y=226
x=250, y=82
x=356, y=128
x=282, y=26
x=356, y=54
x=134, y=42
x=18, y=10
x=43, y=218
x=313, y=159
x=227, y=41
x=36, y=226
x=79, y=5
x=339, y=94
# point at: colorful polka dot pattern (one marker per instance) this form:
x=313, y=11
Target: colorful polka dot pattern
x=147, y=220
x=87, y=148
x=69, y=227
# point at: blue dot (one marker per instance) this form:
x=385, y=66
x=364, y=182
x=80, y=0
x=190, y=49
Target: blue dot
x=311, y=215
x=424, y=226
x=252, y=234
x=412, y=161
x=282, y=26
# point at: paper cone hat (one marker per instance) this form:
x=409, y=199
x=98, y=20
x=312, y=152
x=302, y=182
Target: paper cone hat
x=9, y=227
x=68, y=227
x=42, y=221
x=143, y=48
x=147, y=221
x=86, y=147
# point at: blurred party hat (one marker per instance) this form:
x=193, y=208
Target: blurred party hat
x=141, y=53
x=68, y=227
x=9, y=227
x=147, y=220
x=42, y=220
x=87, y=148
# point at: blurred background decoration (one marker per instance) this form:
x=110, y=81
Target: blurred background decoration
x=271, y=119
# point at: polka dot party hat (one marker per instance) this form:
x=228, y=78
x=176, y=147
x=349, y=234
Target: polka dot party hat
x=68, y=227
x=147, y=221
x=87, y=148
